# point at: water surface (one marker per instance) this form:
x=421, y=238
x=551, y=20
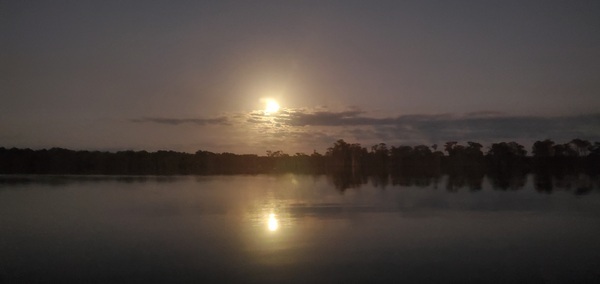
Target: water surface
x=292, y=228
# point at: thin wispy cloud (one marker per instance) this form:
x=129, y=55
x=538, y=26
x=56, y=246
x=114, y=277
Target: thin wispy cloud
x=305, y=128
x=177, y=121
x=436, y=128
x=476, y=125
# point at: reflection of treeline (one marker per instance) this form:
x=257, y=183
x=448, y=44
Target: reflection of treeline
x=505, y=158
x=578, y=183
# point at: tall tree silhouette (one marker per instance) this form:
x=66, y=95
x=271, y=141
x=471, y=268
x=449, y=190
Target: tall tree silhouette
x=543, y=148
x=582, y=147
x=505, y=155
x=346, y=156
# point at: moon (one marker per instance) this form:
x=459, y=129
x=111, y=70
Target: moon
x=273, y=224
x=271, y=106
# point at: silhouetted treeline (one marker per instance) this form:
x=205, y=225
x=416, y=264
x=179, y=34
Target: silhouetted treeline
x=342, y=158
x=63, y=161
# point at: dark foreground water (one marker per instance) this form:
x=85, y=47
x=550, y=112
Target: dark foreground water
x=291, y=228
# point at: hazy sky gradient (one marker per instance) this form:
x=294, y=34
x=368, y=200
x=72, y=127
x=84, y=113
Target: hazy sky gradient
x=189, y=75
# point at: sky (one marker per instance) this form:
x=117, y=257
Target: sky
x=196, y=75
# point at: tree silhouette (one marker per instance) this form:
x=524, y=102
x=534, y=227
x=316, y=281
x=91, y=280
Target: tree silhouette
x=379, y=157
x=507, y=156
x=543, y=148
x=474, y=150
x=346, y=156
x=506, y=150
x=582, y=147
x=449, y=147
x=464, y=163
x=595, y=150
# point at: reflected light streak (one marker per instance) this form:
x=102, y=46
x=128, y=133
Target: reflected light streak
x=272, y=224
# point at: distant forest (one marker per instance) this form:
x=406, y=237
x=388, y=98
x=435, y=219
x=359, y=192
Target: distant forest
x=452, y=158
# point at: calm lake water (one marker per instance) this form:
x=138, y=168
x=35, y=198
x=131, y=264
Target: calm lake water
x=292, y=228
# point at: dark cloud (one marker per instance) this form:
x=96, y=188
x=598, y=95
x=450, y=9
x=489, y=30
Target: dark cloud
x=355, y=117
x=304, y=130
x=178, y=121
x=481, y=126
x=510, y=127
x=327, y=118
x=485, y=114
x=255, y=120
x=486, y=126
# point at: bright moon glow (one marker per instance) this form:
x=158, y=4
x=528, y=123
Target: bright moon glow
x=271, y=106
x=273, y=224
